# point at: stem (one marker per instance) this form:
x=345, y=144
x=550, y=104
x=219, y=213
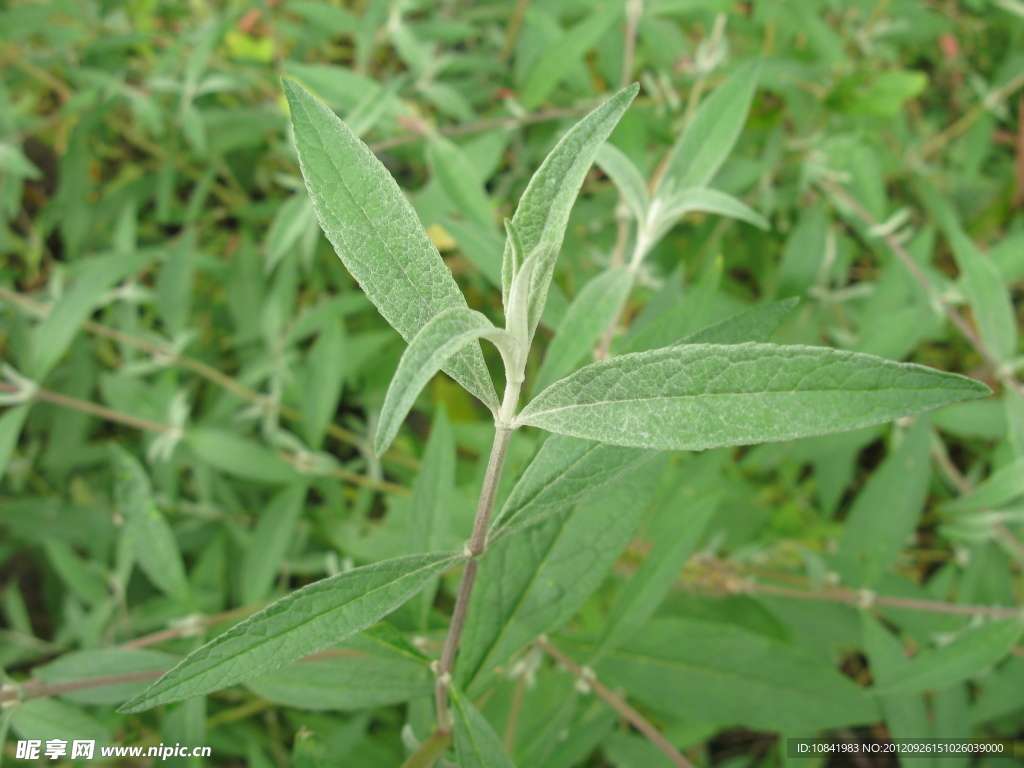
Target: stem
x=429, y=751
x=614, y=701
x=1006, y=378
x=477, y=545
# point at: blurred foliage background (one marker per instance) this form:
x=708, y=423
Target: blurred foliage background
x=191, y=378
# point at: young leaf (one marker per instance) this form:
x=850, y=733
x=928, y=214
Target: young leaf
x=708, y=140
x=627, y=178
x=965, y=657
x=758, y=324
x=375, y=231
x=439, y=340
x=701, y=396
x=306, y=621
x=701, y=199
x=597, y=305
x=534, y=581
x=476, y=743
x=543, y=211
x=150, y=535
x=565, y=472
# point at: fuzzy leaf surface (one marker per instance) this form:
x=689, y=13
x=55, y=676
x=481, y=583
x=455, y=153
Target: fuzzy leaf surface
x=699, y=396
x=376, y=232
x=708, y=140
x=758, y=324
x=543, y=211
x=565, y=472
x=306, y=621
x=438, y=341
x=627, y=178
x=536, y=580
x=704, y=200
x=597, y=305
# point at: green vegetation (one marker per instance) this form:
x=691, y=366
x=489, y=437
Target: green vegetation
x=220, y=457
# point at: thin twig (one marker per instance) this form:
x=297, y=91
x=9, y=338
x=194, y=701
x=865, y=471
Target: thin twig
x=515, y=24
x=614, y=701
x=852, y=597
x=941, y=139
x=429, y=751
x=200, y=368
x=136, y=422
x=904, y=257
x=477, y=545
x=102, y=412
x=634, y=10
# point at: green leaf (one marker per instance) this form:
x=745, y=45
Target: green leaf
x=441, y=338
x=47, y=718
x=627, y=178
x=376, y=233
x=758, y=324
x=700, y=200
x=988, y=295
x=306, y=621
x=906, y=716
x=101, y=662
x=681, y=317
x=240, y=456
x=458, y=179
x=150, y=535
x=805, y=252
x=1002, y=487
x=432, y=497
x=11, y=423
x=707, y=141
x=596, y=306
x=965, y=657
x=871, y=541
x=536, y=580
x=730, y=675
x=266, y=550
x=55, y=334
x=543, y=211
x=565, y=472
x=701, y=396
x=363, y=673
x=654, y=578
x=551, y=67
x=476, y=743
x=326, y=374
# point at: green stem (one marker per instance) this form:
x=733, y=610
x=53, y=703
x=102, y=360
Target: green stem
x=429, y=751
